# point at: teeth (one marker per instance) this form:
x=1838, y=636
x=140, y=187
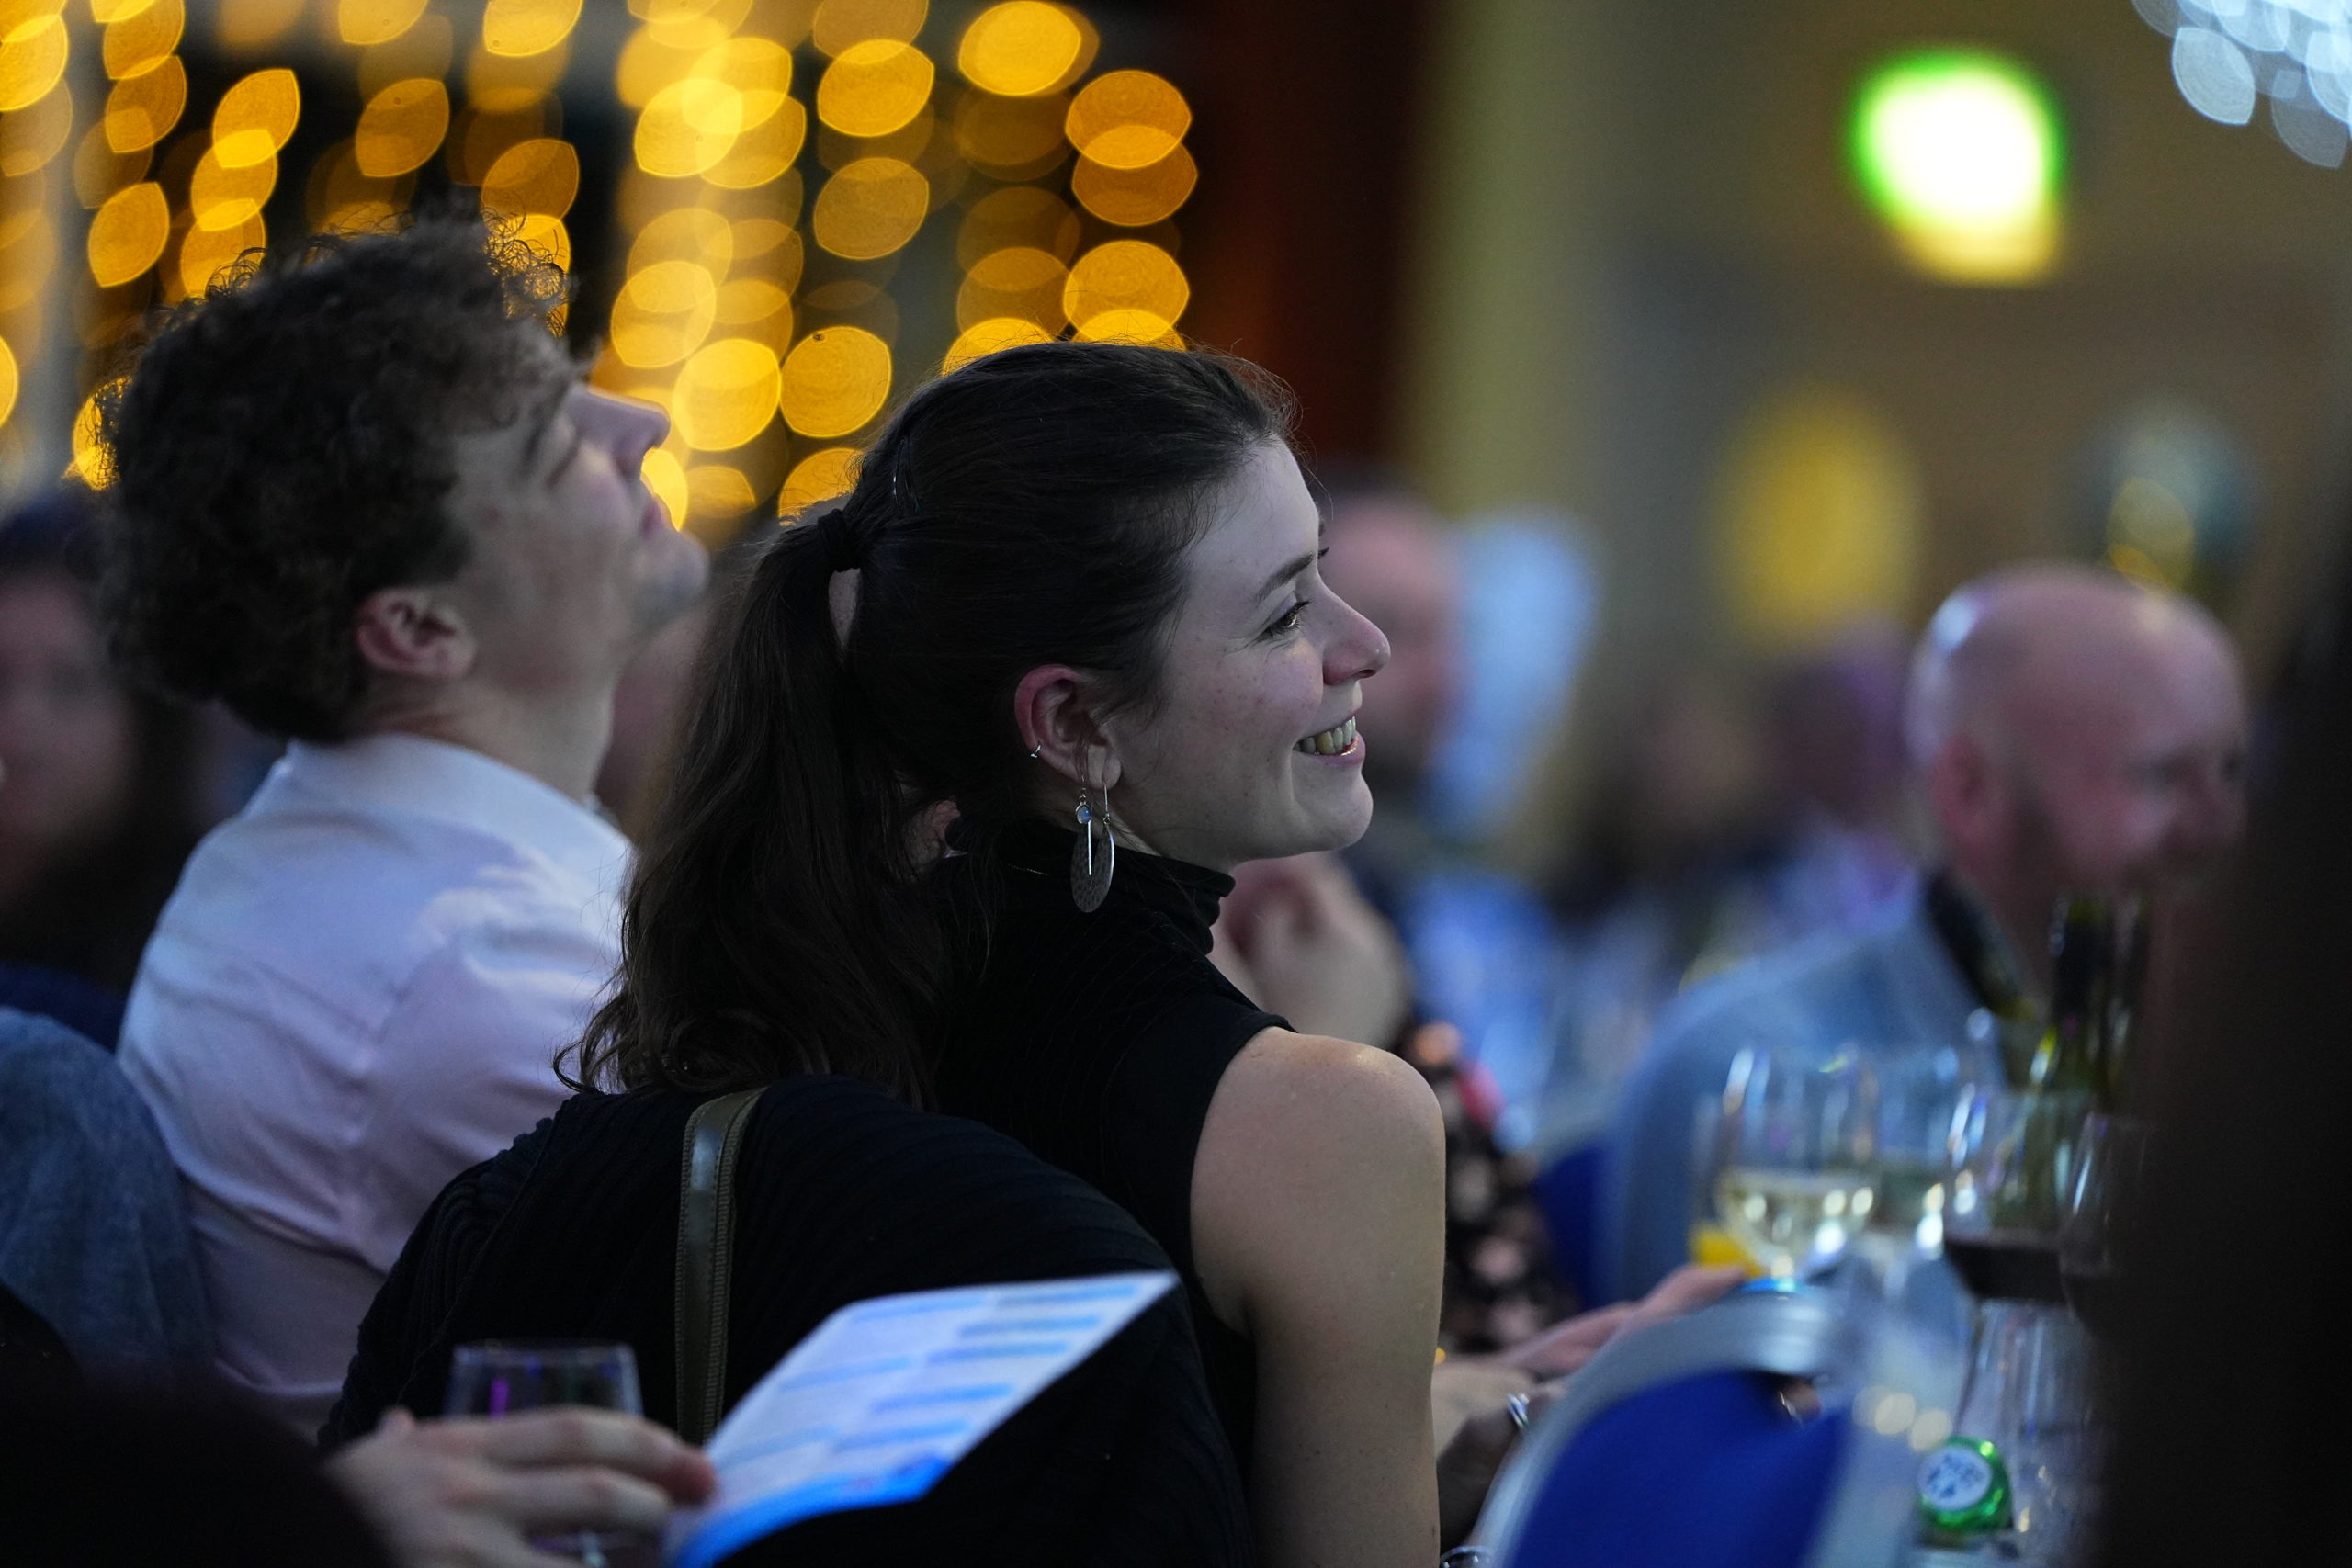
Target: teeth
x=1330, y=742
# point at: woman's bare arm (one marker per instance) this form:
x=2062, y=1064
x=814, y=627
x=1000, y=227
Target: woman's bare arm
x=1318, y=1230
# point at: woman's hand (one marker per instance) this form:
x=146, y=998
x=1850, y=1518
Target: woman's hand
x=471, y=1493
x=1470, y=1396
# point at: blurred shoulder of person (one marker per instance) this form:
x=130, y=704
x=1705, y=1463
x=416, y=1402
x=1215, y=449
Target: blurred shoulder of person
x=101, y=805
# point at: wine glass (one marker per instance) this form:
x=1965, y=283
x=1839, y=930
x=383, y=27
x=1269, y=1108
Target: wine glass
x=1920, y=1089
x=1794, y=1147
x=497, y=1378
x=2111, y=1164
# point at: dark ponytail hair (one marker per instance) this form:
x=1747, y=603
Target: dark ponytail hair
x=1031, y=508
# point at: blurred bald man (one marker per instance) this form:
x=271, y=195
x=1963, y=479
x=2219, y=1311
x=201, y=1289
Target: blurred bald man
x=2071, y=732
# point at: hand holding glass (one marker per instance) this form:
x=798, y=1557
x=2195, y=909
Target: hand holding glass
x=497, y=1378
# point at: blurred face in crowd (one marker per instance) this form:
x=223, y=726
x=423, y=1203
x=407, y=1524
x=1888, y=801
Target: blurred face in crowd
x=1250, y=754
x=2105, y=753
x=574, y=563
x=1390, y=559
x=66, y=728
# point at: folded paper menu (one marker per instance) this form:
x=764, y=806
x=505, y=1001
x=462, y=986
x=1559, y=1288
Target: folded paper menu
x=886, y=1396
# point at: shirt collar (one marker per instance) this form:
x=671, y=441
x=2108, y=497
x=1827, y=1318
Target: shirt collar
x=408, y=775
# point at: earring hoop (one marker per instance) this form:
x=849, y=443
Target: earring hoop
x=1089, y=869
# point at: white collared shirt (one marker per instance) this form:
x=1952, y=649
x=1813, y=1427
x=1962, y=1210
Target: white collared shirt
x=360, y=989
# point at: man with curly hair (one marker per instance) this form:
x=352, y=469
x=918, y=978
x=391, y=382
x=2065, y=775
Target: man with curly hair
x=364, y=499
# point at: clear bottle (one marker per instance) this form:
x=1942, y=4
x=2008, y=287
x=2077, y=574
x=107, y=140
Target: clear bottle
x=2015, y=1480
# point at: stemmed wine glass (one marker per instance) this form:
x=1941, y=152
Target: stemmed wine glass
x=505, y=1377
x=1794, y=1150
x=2112, y=1162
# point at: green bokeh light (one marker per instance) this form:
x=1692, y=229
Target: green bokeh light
x=1959, y=142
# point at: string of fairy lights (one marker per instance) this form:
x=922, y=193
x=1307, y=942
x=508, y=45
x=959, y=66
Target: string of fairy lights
x=800, y=186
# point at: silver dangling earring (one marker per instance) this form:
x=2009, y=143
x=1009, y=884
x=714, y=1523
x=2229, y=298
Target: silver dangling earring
x=1089, y=869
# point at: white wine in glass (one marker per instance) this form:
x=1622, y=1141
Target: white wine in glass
x=1793, y=1221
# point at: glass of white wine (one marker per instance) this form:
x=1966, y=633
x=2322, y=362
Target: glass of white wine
x=1794, y=1156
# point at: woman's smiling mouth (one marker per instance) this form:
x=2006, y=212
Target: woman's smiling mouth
x=1336, y=742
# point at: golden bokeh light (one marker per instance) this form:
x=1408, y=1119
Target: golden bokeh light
x=759, y=310
x=752, y=238
x=426, y=49
x=105, y=12
x=873, y=88
x=1125, y=275
x=1818, y=517
x=1012, y=138
x=240, y=26
x=92, y=462
x=1017, y=215
x=129, y=233
x=256, y=118
x=647, y=66
x=136, y=40
x=99, y=171
x=666, y=477
x=764, y=154
x=1020, y=282
x=870, y=209
x=758, y=68
x=527, y=27
x=726, y=394
x=823, y=474
x=841, y=25
x=477, y=139
x=338, y=195
x=1126, y=119
x=10, y=381
x=142, y=108
x=366, y=22
x=539, y=176
x=1025, y=46
x=33, y=52
x=688, y=126
x=692, y=24
x=1133, y=199
x=663, y=314
x=401, y=127
x=206, y=254
x=988, y=336
x=545, y=236
x=717, y=490
x=505, y=84
x=834, y=380
x=691, y=234
x=1130, y=326
x=30, y=138
x=222, y=197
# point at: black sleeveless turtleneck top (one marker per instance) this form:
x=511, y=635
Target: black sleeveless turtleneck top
x=1099, y=1040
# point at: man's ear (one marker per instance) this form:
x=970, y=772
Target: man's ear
x=414, y=634
x=1963, y=793
x=1053, y=710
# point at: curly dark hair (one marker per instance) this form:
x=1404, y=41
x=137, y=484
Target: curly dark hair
x=282, y=448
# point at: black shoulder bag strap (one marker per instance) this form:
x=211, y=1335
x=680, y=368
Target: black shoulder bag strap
x=705, y=1256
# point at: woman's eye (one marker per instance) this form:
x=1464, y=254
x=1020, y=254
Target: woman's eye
x=1289, y=619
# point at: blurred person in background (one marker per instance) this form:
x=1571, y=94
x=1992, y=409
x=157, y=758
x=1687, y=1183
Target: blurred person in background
x=2227, y=1437
x=2072, y=732
x=1722, y=829
x=100, y=809
x=1388, y=554
x=363, y=498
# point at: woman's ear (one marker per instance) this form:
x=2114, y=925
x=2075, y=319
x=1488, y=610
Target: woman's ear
x=1053, y=711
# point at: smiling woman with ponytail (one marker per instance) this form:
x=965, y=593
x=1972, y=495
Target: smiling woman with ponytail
x=972, y=756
